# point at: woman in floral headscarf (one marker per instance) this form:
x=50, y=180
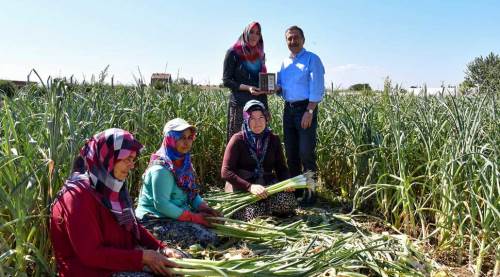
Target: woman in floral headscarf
x=169, y=203
x=242, y=65
x=93, y=228
x=254, y=160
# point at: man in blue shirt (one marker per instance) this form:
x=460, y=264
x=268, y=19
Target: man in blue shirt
x=301, y=84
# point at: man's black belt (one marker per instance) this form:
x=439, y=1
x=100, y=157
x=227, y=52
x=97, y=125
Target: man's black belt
x=296, y=104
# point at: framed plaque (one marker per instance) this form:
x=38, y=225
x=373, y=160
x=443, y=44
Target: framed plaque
x=267, y=81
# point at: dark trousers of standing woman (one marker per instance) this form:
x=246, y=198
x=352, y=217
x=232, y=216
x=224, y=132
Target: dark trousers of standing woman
x=234, y=119
x=300, y=144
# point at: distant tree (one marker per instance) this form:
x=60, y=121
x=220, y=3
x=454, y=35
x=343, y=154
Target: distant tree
x=360, y=87
x=483, y=73
x=182, y=81
x=7, y=88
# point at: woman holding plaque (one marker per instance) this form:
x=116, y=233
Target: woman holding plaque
x=242, y=65
x=254, y=160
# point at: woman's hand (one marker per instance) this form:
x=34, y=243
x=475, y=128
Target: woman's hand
x=277, y=90
x=199, y=218
x=290, y=189
x=258, y=190
x=270, y=91
x=172, y=253
x=158, y=263
x=254, y=90
x=205, y=208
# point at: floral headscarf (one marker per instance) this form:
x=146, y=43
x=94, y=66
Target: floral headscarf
x=167, y=155
x=253, y=58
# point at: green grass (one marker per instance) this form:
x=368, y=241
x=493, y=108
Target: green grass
x=427, y=165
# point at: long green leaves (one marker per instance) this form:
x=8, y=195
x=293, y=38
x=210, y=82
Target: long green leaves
x=429, y=165
x=229, y=203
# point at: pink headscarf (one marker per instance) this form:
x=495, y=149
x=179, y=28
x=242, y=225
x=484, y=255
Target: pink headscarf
x=252, y=57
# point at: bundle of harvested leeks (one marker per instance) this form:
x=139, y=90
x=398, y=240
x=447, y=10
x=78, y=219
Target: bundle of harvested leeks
x=229, y=203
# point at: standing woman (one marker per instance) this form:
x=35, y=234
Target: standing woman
x=169, y=203
x=92, y=225
x=242, y=65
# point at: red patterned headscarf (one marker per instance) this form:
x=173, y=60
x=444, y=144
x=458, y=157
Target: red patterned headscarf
x=101, y=152
x=253, y=58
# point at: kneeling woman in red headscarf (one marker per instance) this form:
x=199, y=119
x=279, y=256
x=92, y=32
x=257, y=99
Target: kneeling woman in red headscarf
x=93, y=228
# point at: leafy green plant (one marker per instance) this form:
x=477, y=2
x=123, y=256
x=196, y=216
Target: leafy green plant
x=360, y=87
x=428, y=165
x=483, y=72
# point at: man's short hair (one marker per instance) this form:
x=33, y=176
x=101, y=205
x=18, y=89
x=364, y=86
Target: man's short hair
x=296, y=28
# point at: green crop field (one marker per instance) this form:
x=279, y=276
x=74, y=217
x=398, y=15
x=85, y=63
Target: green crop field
x=426, y=165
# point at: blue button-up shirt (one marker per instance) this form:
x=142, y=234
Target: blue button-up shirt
x=302, y=77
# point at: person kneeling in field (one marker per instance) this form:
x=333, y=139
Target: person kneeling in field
x=250, y=158
x=169, y=203
x=92, y=225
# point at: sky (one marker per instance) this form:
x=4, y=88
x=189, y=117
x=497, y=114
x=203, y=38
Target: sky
x=412, y=42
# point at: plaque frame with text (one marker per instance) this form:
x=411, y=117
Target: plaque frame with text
x=267, y=81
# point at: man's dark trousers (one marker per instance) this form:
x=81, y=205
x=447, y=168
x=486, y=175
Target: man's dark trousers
x=300, y=144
